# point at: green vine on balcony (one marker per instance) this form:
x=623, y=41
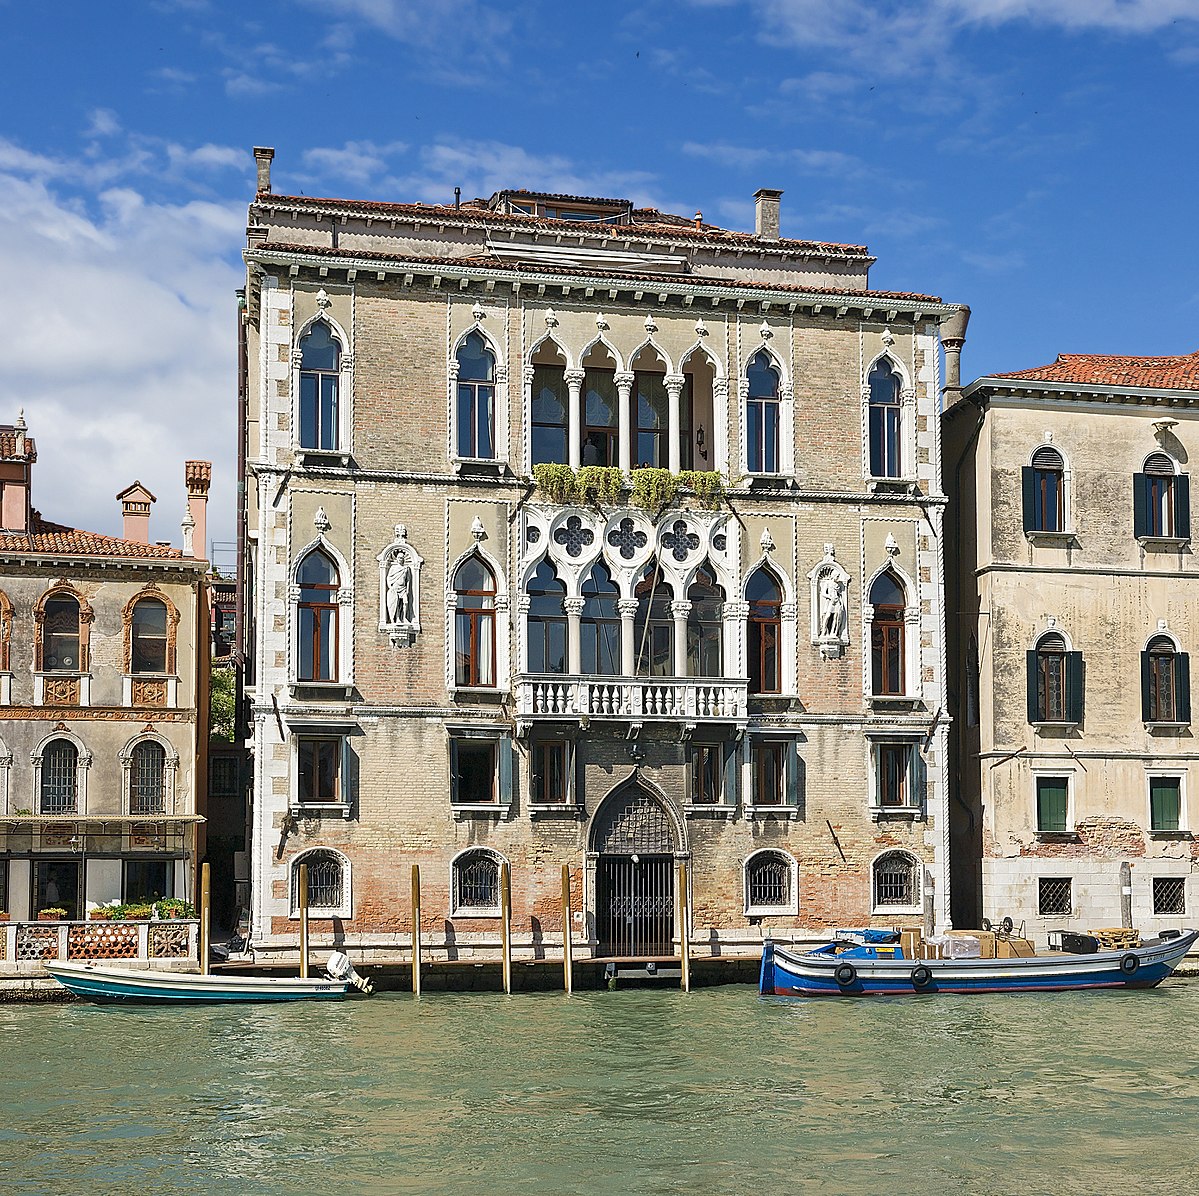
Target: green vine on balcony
x=654, y=490
x=556, y=482
x=708, y=486
x=600, y=485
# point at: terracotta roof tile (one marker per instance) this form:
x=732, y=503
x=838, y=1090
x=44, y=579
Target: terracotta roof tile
x=647, y=222
x=1110, y=369
x=58, y=539
x=8, y=446
x=491, y=262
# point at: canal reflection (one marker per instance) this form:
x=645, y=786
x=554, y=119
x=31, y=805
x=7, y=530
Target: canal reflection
x=627, y=1092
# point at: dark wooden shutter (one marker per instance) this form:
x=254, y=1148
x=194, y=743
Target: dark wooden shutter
x=507, y=774
x=1146, y=687
x=1182, y=687
x=1182, y=506
x=1140, y=504
x=1074, y=683
x=1028, y=484
x=793, y=790
x=732, y=763
x=1034, y=713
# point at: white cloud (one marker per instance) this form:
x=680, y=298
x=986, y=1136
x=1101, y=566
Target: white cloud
x=103, y=123
x=1130, y=16
x=358, y=162
x=121, y=350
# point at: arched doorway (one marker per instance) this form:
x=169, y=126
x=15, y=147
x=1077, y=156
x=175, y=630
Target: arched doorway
x=635, y=839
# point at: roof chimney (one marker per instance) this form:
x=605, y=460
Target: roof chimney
x=135, y=507
x=263, y=155
x=198, y=475
x=767, y=213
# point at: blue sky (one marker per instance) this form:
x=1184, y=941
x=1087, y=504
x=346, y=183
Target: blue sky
x=1032, y=158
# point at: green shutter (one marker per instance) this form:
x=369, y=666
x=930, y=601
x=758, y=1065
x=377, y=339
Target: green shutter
x=453, y=771
x=732, y=764
x=1140, y=504
x=1051, y=803
x=793, y=791
x=1034, y=711
x=919, y=777
x=1147, y=711
x=1182, y=506
x=1182, y=687
x=505, y=749
x=1164, y=803
x=1074, y=687
x=1028, y=484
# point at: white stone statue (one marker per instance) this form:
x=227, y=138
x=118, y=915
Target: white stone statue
x=399, y=589
x=832, y=607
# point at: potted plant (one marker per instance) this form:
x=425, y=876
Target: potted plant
x=3, y=915
x=52, y=913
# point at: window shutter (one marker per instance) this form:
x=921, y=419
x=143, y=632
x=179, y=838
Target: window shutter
x=1028, y=479
x=794, y=787
x=1182, y=506
x=574, y=775
x=1140, y=504
x=919, y=777
x=732, y=765
x=1182, y=687
x=504, y=749
x=453, y=771
x=1034, y=714
x=1146, y=688
x=1074, y=680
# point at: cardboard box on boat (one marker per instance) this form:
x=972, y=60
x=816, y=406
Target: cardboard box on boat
x=986, y=940
x=1014, y=948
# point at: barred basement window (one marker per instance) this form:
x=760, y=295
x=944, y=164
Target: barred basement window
x=768, y=882
x=895, y=880
x=1169, y=895
x=476, y=883
x=1055, y=896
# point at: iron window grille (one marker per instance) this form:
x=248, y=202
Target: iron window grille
x=1055, y=896
x=1169, y=895
x=147, y=781
x=768, y=882
x=895, y=880
x=60, y=779
x=477, y=882
x=324, y=880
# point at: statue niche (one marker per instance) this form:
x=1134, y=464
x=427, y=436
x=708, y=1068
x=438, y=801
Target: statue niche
x=399, y=589
x=830, y=605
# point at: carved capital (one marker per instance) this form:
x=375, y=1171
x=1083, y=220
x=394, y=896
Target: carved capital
x=574, y=377
x=573, y=606
x=627, y=607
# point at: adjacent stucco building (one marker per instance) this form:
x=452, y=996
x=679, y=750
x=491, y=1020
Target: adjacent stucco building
x=585, y=534
x=1073, y=588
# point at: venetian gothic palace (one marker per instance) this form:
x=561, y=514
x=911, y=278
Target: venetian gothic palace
x=584, y=534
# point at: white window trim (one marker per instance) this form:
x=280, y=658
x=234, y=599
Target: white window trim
x=170, y=770
x=345, y=392
x=345, y=910
x=477, y=911
x=791, y=909
x=503, y=660
x=345, y=621
x=1171, y=774
x=500, y=383
x=918, y=884
x=907, y=427
x=311, y=809
x=786, y=428
x=1070, y=772
x=1067, y=532
x=83, y=764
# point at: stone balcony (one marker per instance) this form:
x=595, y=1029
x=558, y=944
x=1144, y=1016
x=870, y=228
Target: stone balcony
x=693, y=700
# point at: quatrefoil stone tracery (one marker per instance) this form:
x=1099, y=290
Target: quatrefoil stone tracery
x=574, y=537
x=680, y=541
x=628, y=538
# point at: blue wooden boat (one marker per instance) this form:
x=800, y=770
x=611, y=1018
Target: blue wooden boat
x=111, y=985
x=838, y=969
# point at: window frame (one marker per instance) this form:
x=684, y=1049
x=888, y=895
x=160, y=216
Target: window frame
x=460, y=910
x=1164, y=666
x=768, y=410
x=1042, y=912
x=882, y=746
x=886, y=424
x=137, y=775
x=322, y=380
x=1043, y=778
x=1053, y=646
x=1155, y=902
x=321, y=617
x=473, y=390
x=1034, y=480
x=889, y=646
x=345, y=910
x=1161, y=502
x=1153, y=778
x=503, y=769
x=916, y=869
x=540, y=749
x=472, y=619
x=787, y=908
x=307, y=730
x=757, y=647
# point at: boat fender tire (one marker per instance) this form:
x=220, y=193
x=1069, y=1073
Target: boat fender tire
x=922, y=976
x=845, y=974
x=1129, y=964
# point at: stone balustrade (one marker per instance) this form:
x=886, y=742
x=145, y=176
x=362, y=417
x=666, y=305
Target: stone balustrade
x=633, y=699
x=25, y=946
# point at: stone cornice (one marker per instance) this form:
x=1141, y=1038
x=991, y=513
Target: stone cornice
x=992, y=391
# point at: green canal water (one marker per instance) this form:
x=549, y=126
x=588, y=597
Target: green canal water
x=630, y=1092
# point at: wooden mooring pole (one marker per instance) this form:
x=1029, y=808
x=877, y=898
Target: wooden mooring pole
x=567, y=945
x=303, y=894
x=506, y=923
x=684, y=929
x=205, y=915
x=416, y=952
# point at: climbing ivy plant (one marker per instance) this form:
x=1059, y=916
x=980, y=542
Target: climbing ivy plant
x=707, y=484
x=654, y=490
x=599, y=484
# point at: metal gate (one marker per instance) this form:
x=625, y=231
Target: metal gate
x=634, y=905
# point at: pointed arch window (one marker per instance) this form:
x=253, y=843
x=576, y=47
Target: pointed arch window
x=476, y=398
x=148, y=637
x=61, y=639
x=1161, y=500
x=653, y=626
x=1045, y=492
x=705, y=626
x=318, y=580
x=546, y=621
x=887, y=654
x=59, y=778
x=765, y=598
x=550, y=415
x=1055, y=681
x=474, y=624
x=599, y=623
x=1165, y=682
x=320, y=366
x=762, y=415
x=147, y=779
x=884, y=421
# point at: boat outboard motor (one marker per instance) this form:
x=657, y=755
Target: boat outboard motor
x=338, y=967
